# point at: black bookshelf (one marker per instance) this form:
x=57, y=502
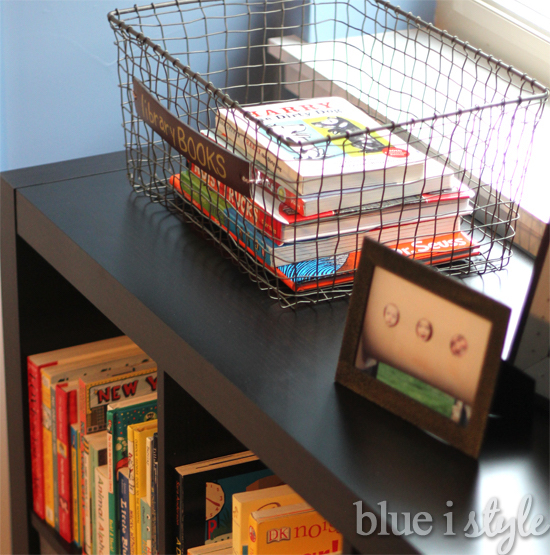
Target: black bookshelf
x=234, y=368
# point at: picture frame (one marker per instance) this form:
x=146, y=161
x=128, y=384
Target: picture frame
x=423, y=346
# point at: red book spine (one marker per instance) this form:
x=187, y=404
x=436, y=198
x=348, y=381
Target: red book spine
x=65, y=416
x=35, y=425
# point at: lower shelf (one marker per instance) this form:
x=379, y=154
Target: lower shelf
x=52, y=538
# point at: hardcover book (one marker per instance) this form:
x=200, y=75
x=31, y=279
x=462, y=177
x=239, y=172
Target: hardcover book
x=124, y=498
x=345, y=162
x=223, y=547
x=94, y=454
x=66, y=416
x=70, y=357
x=282, y=224
x=137, y=438
x=75, y=482
x=205, y=496
x=120, y=415
x=248, y=502
x=292, y=529
x=102, y=511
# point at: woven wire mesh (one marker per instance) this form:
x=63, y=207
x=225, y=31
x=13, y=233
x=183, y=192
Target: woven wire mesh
x=465, y=111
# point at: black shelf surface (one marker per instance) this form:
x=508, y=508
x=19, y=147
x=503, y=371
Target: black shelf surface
x=52, y=538
x=267, y=373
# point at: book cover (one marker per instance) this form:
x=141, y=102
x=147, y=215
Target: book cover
x=205, y=495
x=124, y=498
x=102, y=512
x=120, y=415
x=437, y=177
x=35, y=364
x=248, y=502
x=145, y=525
x=94, y=450
x=95, y=393
x=66, y=409
x=107, y=356
x=345, y=162
x=75, y=482
x=137, y=444
x=292, y=529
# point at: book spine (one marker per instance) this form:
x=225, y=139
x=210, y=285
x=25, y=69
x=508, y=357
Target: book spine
x=154, y=500
x=86, y=493
x=35, y=422
x=252, y=536
x=64, y=474
x=75, y=483
x=93, y=463
x=124, y=491
x=55, y=456
x=102, y=513
x=132, y=491
x=111, y=495
x=145, y=511
x=47, y=449
x=179, y=528
x=138, y=464
x=237, y=513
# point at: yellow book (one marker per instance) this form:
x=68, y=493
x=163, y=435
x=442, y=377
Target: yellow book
x=247, y=502
x=137, y=438
x=83, y=358
x=291, y=530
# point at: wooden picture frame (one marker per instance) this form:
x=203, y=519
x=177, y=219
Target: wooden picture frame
x=423, y=346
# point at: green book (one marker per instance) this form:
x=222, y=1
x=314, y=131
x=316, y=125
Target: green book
x=119, y=416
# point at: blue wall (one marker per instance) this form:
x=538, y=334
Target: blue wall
x=58, y=81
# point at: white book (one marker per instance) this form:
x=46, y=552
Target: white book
x=352, y=159
x=101, y=544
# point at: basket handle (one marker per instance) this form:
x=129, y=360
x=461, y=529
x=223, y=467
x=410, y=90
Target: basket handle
x=232, y=170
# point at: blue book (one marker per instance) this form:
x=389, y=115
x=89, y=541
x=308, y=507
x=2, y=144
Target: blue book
x=124, y=503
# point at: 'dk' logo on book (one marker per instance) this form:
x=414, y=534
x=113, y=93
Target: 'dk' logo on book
x=278, y=534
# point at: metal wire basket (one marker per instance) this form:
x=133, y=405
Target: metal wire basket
x=196, y=79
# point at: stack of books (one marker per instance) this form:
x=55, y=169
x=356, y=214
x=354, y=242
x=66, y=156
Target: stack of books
x=93, y=419
x=311, y=205
x=248, y=510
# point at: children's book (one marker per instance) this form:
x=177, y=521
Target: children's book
x=137, y=456
x=276, y=220
x=145, y=526
x=94, y=454
x=154, y=496
x=70, y=357
x=291, y=529
x=95, y=393
x=53, y=375
x=75, y=482
x=437, y=177
x=354, y=157
x=124, y=497
x=66, y=416
x=120, y=415
x=205, y=496
x=247, y=502
x=102, y=512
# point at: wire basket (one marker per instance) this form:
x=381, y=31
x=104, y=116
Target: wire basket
x=288, y=130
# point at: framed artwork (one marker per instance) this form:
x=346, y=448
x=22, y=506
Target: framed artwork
x=423, y=346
